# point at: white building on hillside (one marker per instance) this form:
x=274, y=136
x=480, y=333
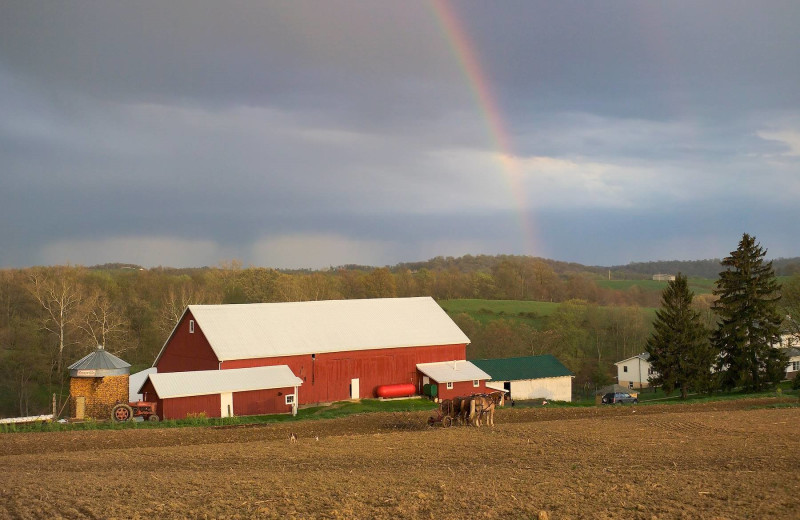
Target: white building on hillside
x=635, y=371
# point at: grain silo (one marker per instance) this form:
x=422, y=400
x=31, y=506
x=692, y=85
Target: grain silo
x=98, y=381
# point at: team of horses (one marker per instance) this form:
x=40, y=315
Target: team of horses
x=473, y=409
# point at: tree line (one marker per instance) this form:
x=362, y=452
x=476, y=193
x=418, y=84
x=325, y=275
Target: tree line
x=53, y=316
x=586, y=337
x=697, y=268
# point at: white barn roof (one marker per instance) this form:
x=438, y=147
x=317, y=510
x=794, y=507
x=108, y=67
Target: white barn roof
x=452, y=371
x=206, y=382
x=259, y=330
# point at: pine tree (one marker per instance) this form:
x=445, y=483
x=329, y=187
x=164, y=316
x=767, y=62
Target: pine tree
x=749, y=321
x=680, y=352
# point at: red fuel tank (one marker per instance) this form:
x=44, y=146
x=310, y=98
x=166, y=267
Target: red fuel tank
x=400, y=390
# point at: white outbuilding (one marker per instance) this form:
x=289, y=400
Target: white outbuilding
x=530, y=377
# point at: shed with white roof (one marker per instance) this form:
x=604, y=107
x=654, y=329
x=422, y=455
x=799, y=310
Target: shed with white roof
x=454, y=378
x=223, y=393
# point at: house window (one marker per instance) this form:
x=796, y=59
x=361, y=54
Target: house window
x=795, y=366
x=289, y=398
x=649, y=371
x=476, y=383
x=630, y=385
x=191, y=326
x=624, y=369
x=449, y=385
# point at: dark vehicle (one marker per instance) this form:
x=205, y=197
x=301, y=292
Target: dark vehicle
x=619, y=398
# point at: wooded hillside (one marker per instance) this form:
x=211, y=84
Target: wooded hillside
x=52, y=316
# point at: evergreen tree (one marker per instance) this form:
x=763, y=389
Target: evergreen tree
x=749, y=321
x=681, y=354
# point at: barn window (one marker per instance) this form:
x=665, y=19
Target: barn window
x=476, y=383
x=191, y=326
x=289, y=398
x=624, y=369
x=449, y=385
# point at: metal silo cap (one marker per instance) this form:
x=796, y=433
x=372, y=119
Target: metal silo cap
x=99, y=363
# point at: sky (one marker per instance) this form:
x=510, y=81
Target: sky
x=310, y=134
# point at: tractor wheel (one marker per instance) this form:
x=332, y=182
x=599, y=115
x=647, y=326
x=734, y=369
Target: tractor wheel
x=447, y=422
x=153, y=418
x=122, y=413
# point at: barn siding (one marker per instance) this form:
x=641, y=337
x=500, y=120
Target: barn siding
x=180, y=407
x=149, y=394
x=260, y=402
x=327, y=377
x=187, y=351
x=461, y=389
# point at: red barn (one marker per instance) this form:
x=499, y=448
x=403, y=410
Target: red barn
x=223, y=393
x=340, y=349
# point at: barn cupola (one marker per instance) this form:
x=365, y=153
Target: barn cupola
x=98, y=381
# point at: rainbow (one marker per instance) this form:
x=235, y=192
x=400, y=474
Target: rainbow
x=499, y=136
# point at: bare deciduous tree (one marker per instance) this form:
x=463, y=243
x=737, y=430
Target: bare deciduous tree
x=102, y=320
x=179, y=297
x=58, y=291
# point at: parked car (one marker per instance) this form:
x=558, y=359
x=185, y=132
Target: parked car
x=619, y=398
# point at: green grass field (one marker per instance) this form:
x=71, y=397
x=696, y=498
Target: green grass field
x=533, y=313
x=696, y=285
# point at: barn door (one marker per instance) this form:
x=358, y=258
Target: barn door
x=354, y=390
x=226, y=404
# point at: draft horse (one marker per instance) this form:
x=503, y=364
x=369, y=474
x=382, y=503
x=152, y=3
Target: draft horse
x=484, y=405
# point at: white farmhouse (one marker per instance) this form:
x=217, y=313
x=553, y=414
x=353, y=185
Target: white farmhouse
x=635, y=371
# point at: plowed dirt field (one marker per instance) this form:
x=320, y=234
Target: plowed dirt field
x=737, y=459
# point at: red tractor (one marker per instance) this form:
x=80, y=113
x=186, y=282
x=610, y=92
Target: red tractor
x=127, y=411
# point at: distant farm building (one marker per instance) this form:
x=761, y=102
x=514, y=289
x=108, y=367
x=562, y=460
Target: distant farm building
x=664, y=277
x=635, y=371
x=340, y=349
x=530, y=377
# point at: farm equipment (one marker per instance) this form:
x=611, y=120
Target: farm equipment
x=444, y=414
x=127, y=411
x=446, y=420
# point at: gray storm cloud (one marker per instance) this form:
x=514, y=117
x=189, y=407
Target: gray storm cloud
x=315, y=133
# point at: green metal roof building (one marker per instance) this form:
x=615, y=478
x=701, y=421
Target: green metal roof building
x=529, y=377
